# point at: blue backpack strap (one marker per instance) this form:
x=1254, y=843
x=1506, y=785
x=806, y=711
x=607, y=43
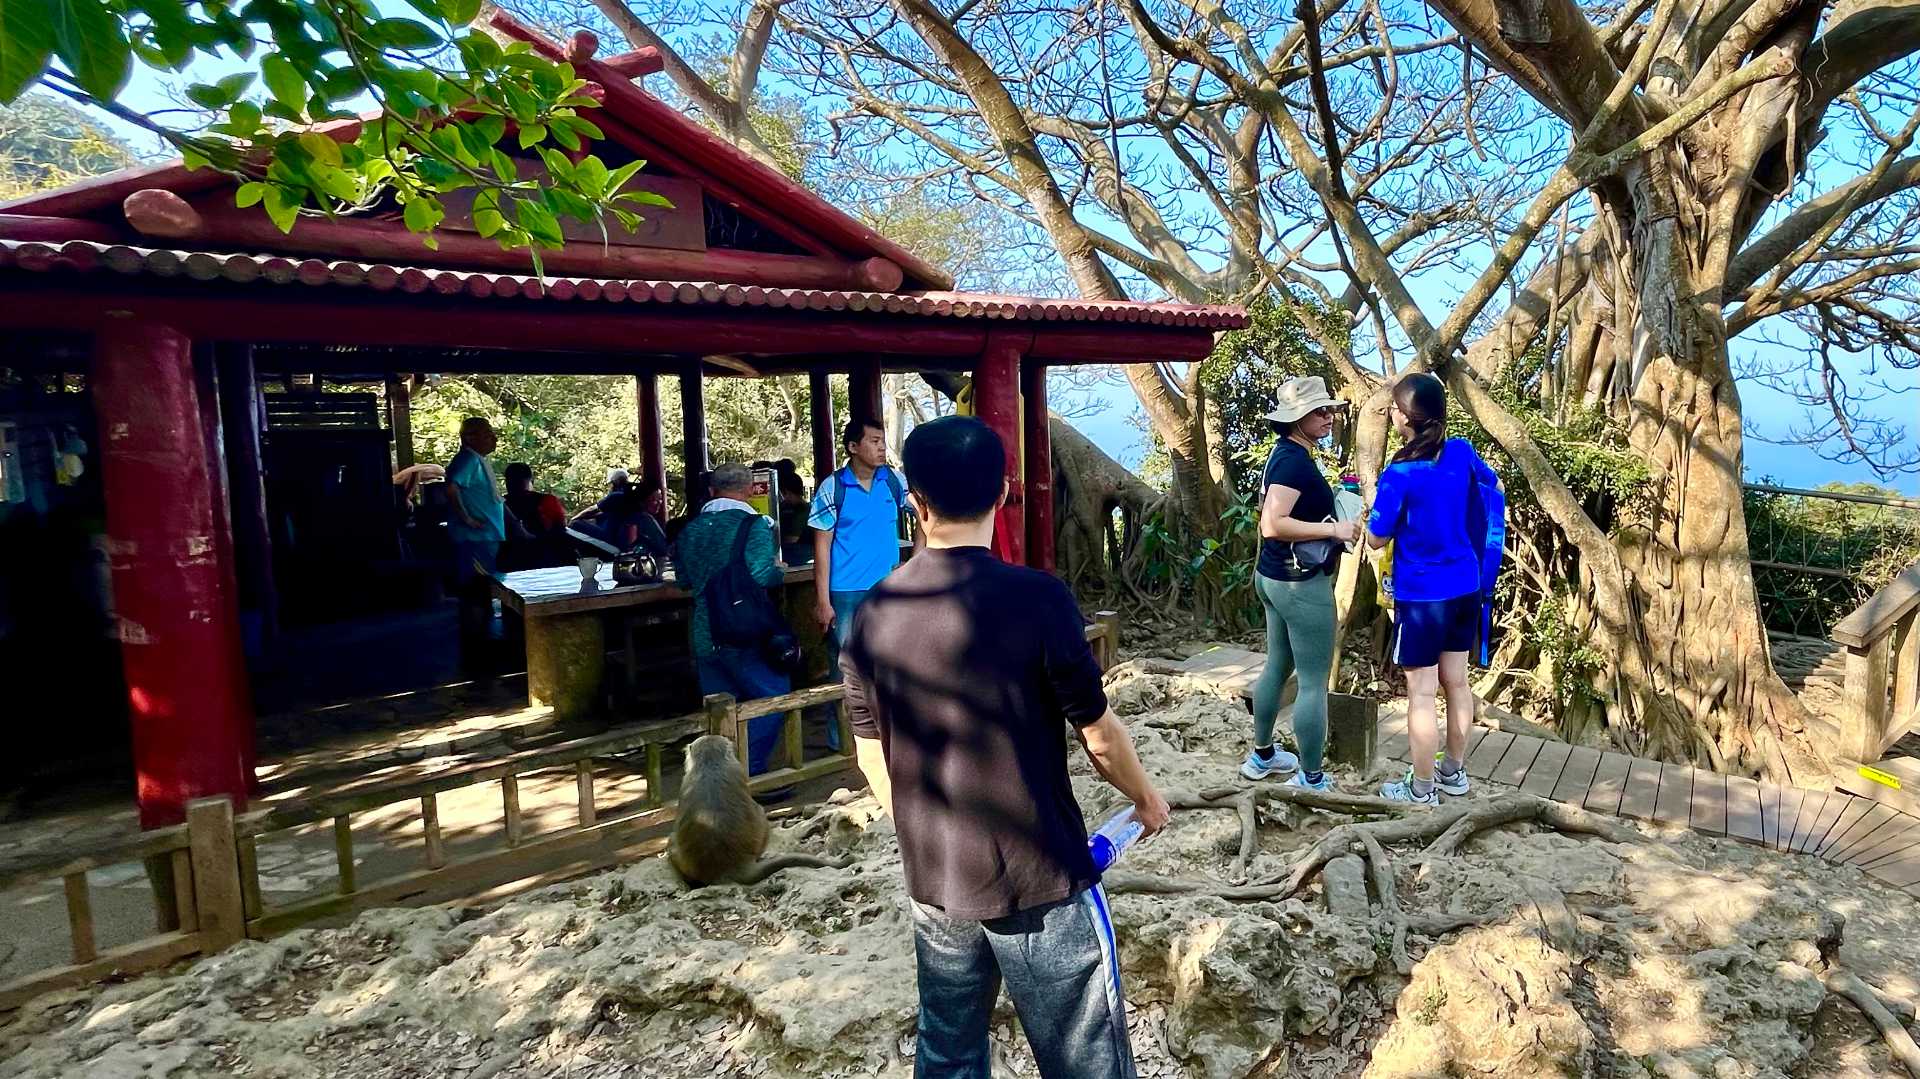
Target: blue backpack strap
x=894, y=485
x=840, y=480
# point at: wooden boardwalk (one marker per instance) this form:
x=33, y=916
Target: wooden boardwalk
x=1866, y=823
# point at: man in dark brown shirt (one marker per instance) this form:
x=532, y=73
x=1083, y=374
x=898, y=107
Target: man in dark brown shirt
x=962, y=675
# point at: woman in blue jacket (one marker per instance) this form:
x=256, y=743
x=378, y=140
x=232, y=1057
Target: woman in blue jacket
x=1420, y=506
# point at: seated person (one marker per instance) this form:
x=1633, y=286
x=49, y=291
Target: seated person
x=538, y=537
x=624, y=520
x=796, y=539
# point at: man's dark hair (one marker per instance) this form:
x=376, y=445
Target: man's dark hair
x=518, y=471
x=957, y=465
x=857, y=429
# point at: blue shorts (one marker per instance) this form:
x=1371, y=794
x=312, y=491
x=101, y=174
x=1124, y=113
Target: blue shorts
x=1423, y=629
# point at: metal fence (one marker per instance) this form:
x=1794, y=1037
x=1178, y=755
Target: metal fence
x=1817, y=555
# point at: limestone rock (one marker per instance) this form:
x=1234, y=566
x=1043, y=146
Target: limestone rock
x=1494, y=1002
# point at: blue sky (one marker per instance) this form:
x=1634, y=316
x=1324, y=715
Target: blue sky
x=1113, y=429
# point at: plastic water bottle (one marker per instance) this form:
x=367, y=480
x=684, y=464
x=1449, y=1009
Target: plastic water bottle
x=1109, y=841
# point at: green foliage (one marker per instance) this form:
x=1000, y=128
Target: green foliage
x=47, y=143
x=1246, y=368
x=1865, y=545
x=447, y=97
x=572, y=429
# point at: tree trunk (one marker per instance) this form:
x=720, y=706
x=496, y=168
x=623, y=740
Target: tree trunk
x=1708, y=685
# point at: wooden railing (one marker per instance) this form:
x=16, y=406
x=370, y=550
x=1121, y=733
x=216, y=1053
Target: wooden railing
x=213, y=860
x=194, y=861
x=1883, y=668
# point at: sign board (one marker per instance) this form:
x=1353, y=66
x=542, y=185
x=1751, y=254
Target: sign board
x=683, y=227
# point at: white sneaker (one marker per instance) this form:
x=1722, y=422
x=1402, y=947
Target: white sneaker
x=1280, y=763
x=1453, y=784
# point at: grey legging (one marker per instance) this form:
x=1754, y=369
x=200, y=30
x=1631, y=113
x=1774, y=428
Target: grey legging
x=1299, y=640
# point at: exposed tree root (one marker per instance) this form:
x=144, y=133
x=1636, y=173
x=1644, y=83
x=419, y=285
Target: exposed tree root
x=1381, y=869
x=1873, y=1004
x=1445, y=829
x=1241, y=801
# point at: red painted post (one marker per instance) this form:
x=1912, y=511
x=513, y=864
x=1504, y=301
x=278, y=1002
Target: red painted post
x=653, y=450
x=173, y=598
x=863, y=390
x=996, y=400
x=820, y=419
x=1039, y=470
x=693, y=425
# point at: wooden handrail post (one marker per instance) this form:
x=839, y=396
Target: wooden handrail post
x=1109, y=622
x=1863, y=715
x=218, y=908
x=80, y=918
x=1906, y=674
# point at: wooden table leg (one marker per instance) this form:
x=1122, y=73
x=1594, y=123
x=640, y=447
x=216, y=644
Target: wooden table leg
x=566, y=662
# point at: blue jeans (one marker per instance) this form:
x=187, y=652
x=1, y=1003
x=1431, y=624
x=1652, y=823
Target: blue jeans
x=743, y=674
x=1062, y=970
x=844, y=604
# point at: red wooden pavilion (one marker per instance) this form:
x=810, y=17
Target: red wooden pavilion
x=750, y=274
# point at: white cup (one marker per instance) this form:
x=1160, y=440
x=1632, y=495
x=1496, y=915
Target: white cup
x=589, y=567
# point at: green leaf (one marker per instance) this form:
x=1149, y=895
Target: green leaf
x=244, y=118
x=487, y=219
x=539, y=222
x=460, y=12
x=249, y=194
x=622, y=175
x=284, y=83
x=404, y=34
x=94, y=43
x=645, y=198
x=422, y=214
x=591, y=176
x=532, y=135
x=564, y=135
x=207, y=97
x=283, y=207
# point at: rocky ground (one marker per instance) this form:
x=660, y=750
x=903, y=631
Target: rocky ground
x=1671, y=956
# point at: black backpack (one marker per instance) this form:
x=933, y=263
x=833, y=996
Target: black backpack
x=740, y=614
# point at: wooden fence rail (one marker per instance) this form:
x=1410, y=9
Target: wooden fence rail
x=1883, y=668
x=211, y=863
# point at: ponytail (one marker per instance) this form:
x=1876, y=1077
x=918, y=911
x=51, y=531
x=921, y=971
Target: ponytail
x=1422, y=399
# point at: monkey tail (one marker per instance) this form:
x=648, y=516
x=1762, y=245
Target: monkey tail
x=767, y=867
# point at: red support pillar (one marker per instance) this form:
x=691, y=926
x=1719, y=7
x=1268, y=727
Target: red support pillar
x=996, y=400
x=1039, y=466
x=173, y=594
x=693, y=425
x=820, y=419
x=653, y=449
x=863, y=390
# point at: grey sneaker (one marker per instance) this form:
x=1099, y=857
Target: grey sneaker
x=1453, y=784
x=1401, y=790
x=1279, y=764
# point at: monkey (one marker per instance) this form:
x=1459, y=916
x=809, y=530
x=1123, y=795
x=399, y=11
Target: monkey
x=720, y=832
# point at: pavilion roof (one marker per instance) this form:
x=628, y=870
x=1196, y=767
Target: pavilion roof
x=266, y=270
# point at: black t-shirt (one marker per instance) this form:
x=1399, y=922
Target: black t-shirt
x=1290, y=465
x=966, y=669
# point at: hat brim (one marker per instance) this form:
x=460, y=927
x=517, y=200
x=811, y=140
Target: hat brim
x=1290, y=414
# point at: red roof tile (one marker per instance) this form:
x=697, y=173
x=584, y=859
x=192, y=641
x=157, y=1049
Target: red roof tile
x=81, y=256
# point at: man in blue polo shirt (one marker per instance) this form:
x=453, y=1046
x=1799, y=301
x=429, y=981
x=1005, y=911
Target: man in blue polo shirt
x=856, y=539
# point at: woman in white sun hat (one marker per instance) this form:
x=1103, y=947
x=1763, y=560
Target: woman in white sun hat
x=1300, y=545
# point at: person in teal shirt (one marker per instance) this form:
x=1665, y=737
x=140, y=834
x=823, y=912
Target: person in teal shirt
x=476, y=529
